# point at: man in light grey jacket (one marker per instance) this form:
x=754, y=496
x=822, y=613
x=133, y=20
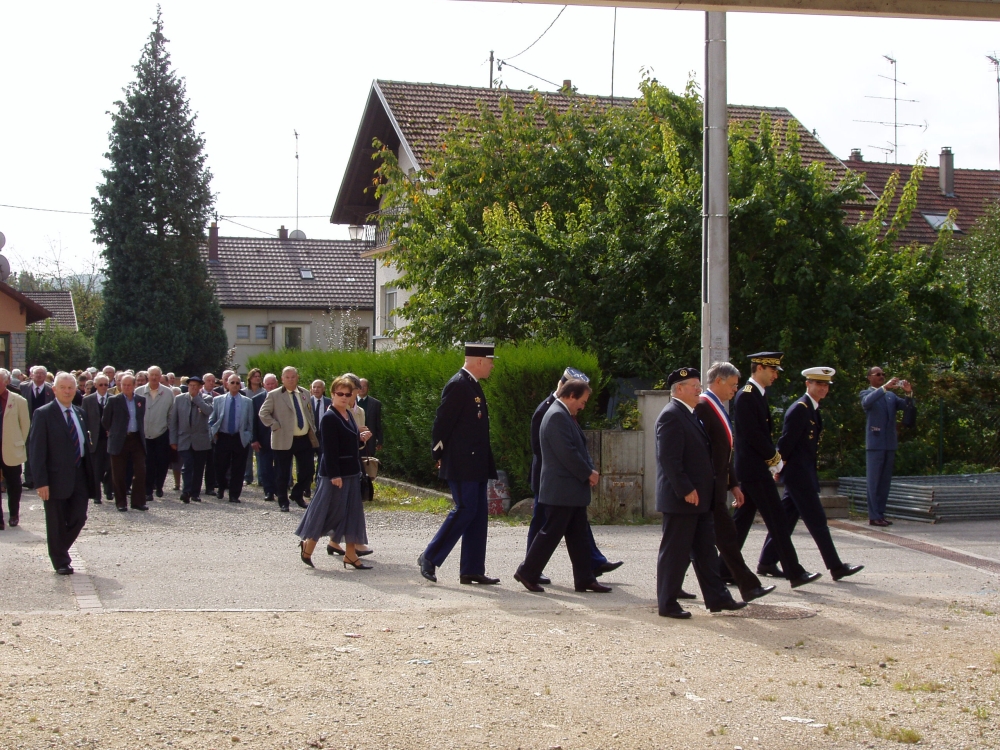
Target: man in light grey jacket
x=159, y=403
x=189, y=436
x=565, y=484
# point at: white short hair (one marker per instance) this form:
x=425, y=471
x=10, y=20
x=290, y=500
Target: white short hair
x=63, y=375
x=153, y=367
x=4, y=375
x=289, y=369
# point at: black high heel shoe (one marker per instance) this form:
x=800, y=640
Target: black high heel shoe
x=356, y=564
x=331, y=550
x=305, y=558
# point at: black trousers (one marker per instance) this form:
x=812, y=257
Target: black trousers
x=12, y=478
x=192, y=468
x=100, y=463
x=728, y=541
x=688, y=538
x=763, y=496
x=132, y=450
x=803, y=501
x=157, y=462
x=231, y=458
x=210, y=481
x=64, y=519
x=561, y=521
x=302, y=452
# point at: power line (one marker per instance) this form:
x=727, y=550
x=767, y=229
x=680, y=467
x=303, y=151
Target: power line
x=252, y=229
x=539, y=37
x=546, y=80
x=88, y=213
x=46, y=210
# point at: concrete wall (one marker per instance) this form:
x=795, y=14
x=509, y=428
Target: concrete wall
x=12, y=324
x=651, y=403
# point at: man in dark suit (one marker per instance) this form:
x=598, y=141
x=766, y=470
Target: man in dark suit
x=124, y=419
x=57, y=446
x=566, y=480
x=373, y=421
x=262, y=439
x=598, y=561
x=37, y=392
x=798, y=446
x=723, y=380
x=881, y=439
x=757, y=462
x=97, y=438
x=685, y=488
x=319, y=405
x=460, y=442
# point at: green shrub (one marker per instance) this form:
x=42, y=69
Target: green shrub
x=58, y=348
x=409, y=381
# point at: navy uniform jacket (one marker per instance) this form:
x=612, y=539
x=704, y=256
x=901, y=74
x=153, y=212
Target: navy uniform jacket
x=460, y=438
x=880, y=407
x=683, y=461
x=799, y=443
x=755, y=452
x=536, y=444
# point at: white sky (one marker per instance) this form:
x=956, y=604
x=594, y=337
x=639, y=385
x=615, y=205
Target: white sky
x=255, y=71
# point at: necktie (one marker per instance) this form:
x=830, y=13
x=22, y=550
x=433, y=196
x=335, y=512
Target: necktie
x=299, y=419
x=191, y=413
x=316, y=407
x=232, y=415
x=74, y=435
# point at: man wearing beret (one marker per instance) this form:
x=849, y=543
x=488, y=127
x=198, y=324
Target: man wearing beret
x=798, y=446
x=460, y=442
x=685, y=488
x=757, y=461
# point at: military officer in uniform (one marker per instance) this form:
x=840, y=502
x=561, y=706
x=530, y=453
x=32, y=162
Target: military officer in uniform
x=757, y=461
x=460, y=442
x=798, y=445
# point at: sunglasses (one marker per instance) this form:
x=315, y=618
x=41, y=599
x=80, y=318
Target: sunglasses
x=343, y=395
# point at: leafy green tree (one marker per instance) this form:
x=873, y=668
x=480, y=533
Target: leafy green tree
x=149, y=215
x=58, y=348
x=976, y=265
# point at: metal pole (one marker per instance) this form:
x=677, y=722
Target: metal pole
x=941, y=437
x=491, y=68
x=715, y=198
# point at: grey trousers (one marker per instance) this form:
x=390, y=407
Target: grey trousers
x=879, y=478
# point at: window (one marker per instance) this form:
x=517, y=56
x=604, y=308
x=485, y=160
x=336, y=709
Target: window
x=363, y=338
x=260, y=333
x=293, y=338
x=242, y=333
x=306, y=273
x=5, y=351
x=389, y=310
x=940, y=221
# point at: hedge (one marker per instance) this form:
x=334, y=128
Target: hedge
x=409, y=381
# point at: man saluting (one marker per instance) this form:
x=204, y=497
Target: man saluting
x=461, y=444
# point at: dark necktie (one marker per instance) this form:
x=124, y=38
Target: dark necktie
x=316, y=409
x=74, y=435
x=191, y=413
x=232, y=415
x=299, y=419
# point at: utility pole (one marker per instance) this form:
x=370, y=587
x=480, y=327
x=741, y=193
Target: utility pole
x=491, y=68
x=296, y=177
x=715, y=198
x=996, y=66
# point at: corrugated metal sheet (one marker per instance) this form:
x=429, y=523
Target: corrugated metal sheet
x=933, y=498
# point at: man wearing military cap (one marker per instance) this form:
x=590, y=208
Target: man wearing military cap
x=798, y=446
x=757, y=460
x=460, y=442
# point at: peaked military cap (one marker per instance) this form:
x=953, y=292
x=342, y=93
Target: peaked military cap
x=684, y=373
x=768, y=359
x=478, y=349
x=571, y=373
x=821, y=374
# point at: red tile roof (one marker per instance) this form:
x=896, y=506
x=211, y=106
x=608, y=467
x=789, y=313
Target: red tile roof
x=60, y=304
x=266, y=272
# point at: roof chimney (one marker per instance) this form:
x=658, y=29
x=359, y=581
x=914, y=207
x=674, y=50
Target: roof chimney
x=282, y=233
x=855, y=155
x=946, y=174
x=213, y=243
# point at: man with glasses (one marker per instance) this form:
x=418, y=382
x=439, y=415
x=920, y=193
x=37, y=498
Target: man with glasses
x=97, y=438
x=881, y=439
x=231, y=427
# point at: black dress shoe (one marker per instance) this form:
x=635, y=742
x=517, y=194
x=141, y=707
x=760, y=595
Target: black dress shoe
x=196, y=499
x=2, y=527
x=532, y=587
x=887, y=522
x=301, y=503
x=731, y=606
x=140, y=507
x=607, y=567
x=878, y=522
x=233, y=501
x=426, y=569
x=757, y=593
x=544, y=580
x=66, y=570
x=842, y=572
x=149, y=498
x=97, y=501
x=159, y=492
x=729, y=580
x=676, y=612
x=220, y=494
x=283, y=508
x=268, y=498
x=482, y=580
x=363, y=552
x=185, y=498
x=122, y=508
x=682, y=594
x=597, y=588
x=770, y=570
x=331, y=550
x=14, y=521
x=805, y=578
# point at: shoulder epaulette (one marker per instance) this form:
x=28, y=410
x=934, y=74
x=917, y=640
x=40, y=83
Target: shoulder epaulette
x=748, y=388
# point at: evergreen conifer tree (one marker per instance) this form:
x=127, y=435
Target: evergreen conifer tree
x=150, y=215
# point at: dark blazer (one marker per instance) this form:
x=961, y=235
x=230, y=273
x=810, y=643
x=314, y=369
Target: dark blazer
x=341, y=443
x=50, y=452
x=799, y=443
x=92, y=413
x=722, y=450
x=323, y=408
x=460, y=438
x=683, y=461
x=373, y=421
x=880, y=407
x=755, y=451
x=261, y=432
x=566, y=464
x=45, y=397
x=536, y=446
x=115, y=421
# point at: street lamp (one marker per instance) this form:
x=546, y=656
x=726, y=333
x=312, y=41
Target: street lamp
x=356, y=231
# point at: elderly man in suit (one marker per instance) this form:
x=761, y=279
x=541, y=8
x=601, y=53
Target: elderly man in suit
x=57, y=447
x=566, y=480
x=460, y=440
x=286, y=413
x=15, y=424
x=37, y=392
x=97, y=438
x=881, y=440
x=373, y=420
x=231, y=428
x=189, y=436
x=685, y=491
x=124, y=419
x=262, y=439
x=319, y=403
x=159, y=403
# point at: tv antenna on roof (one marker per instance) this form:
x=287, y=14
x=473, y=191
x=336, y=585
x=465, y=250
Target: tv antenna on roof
x=996, y=66
x=895, y=124
x=296, y=177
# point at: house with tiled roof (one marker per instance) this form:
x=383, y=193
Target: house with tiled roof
x=60, y=304
x=17, y=312
x=412, y=118
x=287, y=293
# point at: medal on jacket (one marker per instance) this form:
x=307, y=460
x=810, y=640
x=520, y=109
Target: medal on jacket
x=478, y=400
x=479, y=415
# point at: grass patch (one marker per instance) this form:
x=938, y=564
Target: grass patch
x=769, y=698
x=910, y=685
x=895, y=734
x=392, y=498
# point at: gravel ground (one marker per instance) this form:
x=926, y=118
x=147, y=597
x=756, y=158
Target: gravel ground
x=907, y=650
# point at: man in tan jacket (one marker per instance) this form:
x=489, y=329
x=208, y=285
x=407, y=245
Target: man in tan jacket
x=287, y=412
x=13, y=445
